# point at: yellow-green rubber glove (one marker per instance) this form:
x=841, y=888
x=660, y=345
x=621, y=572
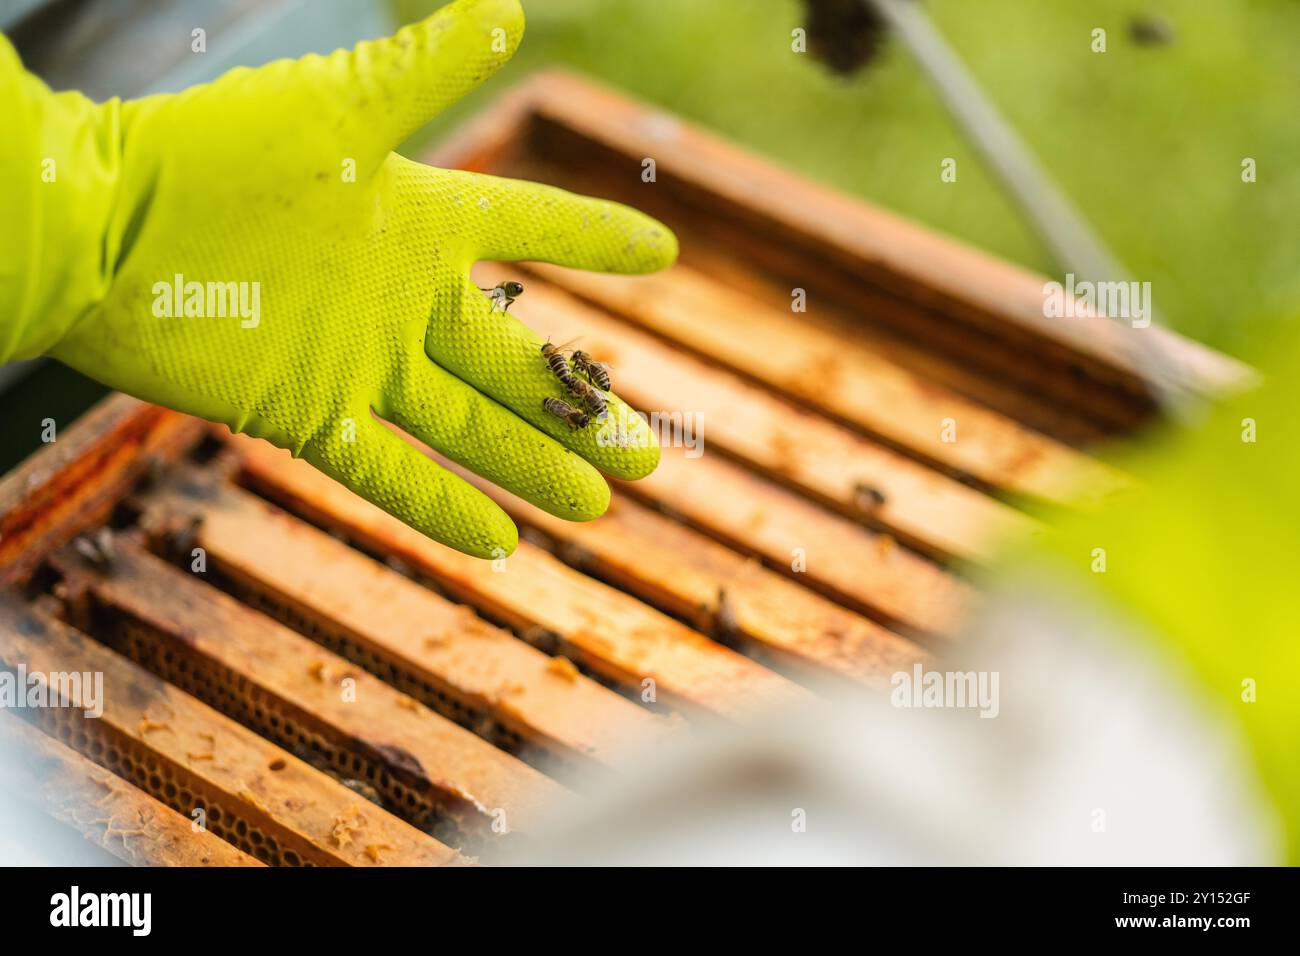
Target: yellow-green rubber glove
x=281, y=180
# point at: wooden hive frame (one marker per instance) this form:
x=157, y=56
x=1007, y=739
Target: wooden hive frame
x=822, y=540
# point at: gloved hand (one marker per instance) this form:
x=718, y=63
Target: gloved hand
x=344, y=269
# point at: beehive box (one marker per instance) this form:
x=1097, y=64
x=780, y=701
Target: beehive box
x=317, y=684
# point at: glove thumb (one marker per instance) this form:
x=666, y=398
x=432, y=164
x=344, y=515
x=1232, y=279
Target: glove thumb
x=402, y=81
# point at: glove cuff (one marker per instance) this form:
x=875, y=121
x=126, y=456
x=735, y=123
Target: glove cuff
x=59, y=181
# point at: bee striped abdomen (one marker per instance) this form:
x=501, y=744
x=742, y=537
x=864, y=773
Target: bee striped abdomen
x=559, y=365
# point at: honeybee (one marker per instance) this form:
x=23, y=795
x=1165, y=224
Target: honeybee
x=576, y=417
x=868, y=497
x=596, y=372
x=503, y=294
x=725, y=626
x=589, y=396
x=97, y=548
x=554, y=355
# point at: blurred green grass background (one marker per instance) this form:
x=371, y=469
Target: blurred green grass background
x=1147, y=140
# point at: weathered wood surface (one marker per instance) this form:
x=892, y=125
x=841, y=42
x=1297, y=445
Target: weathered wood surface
x=102, y=807
x=305, y=698
x=256, y=795
x=603, y=629
x=727, y=594
x=864, y=570
x=432, y=648
x=75, y=482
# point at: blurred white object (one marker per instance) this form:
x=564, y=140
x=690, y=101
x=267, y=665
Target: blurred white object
x=1101, y=754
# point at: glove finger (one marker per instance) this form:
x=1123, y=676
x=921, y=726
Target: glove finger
x=502, y=358
x=387, y=471
x=398, y=83
x=509, y=219
x=490, y=440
